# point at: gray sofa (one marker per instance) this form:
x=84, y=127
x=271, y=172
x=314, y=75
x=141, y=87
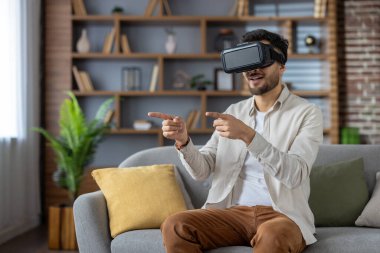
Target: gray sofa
x=91, y=220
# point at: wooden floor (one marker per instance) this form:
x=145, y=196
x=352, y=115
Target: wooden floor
x=34, y=241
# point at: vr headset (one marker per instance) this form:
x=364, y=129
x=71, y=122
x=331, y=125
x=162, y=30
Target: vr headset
x=248, y=56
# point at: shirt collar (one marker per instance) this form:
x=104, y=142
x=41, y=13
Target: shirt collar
x=280, y=100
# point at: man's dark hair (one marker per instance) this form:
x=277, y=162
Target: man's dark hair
x=275, y=40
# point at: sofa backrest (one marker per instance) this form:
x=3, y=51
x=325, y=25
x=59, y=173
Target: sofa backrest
x=371, y=155
x=198, y=190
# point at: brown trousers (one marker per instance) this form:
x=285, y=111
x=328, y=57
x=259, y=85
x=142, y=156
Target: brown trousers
x=259, y=226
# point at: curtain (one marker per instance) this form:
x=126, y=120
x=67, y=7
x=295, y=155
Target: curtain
x=20, y=110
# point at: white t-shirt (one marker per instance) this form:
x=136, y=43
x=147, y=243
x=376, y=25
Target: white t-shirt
x=250, y=188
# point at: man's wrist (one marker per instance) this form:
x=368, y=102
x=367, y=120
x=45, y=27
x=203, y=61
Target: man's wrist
x=181, y=145
x=247, y=138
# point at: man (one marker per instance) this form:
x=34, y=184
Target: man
x=261, y=154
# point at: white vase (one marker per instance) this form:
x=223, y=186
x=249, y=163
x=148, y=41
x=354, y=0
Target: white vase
x=170, y=44
x=83, y=44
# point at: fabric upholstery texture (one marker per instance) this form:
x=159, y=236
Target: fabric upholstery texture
x=139, y=197
x=330, y=240
x=370, y=216
x=338, y=193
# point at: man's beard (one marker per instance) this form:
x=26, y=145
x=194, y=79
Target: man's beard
x=269, y=85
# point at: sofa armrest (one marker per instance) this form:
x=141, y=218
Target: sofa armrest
x=91, y=223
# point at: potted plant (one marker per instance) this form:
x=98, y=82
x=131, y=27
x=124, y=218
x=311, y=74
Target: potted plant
x=199, y=82
x=74, y=149
x=117, y=10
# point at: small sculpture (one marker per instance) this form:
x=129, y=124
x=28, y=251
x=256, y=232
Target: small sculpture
x=311, y=43
x=83, y=44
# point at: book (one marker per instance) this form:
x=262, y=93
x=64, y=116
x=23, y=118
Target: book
x=197, y=116
x=107, y=46
x=109, y=116
x=82, y=7
x=246, y=8
x=323, y=9
x=125, y=44
x=317, y=8
x=190, y=119
x=167, y=7
x=240, y=8
x=78, y=79
x=151, y=7
x=154, y=78
x=86, y=80
x=233, y=10
x=76, y=8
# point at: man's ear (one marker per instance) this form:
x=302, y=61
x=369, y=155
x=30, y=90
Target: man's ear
x=282, y=68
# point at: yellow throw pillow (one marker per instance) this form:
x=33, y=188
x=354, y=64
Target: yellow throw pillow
x=139, y=197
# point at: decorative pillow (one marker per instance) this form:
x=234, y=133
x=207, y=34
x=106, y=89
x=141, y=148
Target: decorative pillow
x=370, y=216
x=338, y=193
x=139, y=197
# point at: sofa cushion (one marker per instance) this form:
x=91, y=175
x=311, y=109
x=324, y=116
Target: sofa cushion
x=138, y=241
x=139, y=197
x=330, y=240
x=370, y=216
x=144, y=241
x=338, y=193
x=345, y=240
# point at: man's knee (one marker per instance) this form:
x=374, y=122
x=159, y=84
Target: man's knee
x=279, y=235
x=272, y=235
x=177, y=223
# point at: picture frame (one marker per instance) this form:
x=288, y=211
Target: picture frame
x=223, y=81
x=131, y=78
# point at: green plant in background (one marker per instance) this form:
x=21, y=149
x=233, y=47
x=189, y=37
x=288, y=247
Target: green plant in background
x=76, y=144
x=117, y=10
x=199, y=82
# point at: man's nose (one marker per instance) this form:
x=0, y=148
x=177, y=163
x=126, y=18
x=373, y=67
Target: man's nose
x=252, y=71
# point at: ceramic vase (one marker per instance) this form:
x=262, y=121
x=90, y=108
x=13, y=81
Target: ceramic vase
x=83, y=44
x=170, y=44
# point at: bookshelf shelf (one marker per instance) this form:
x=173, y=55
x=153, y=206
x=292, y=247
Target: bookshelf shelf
x=215, y=56
x=190, y=19
x=134, y=131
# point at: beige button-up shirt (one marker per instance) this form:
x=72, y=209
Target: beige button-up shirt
x=287, y=149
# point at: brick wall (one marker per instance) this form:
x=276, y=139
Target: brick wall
x=359, y=61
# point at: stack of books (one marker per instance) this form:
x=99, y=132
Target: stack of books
x=240, y=8
x=152, y=5
x=79, y=8
x=193, y=119
x=83, y=80
x=320, y=7
x=109, y=43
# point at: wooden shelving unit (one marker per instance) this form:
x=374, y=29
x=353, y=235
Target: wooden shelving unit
x=203, y=22
x=60, y=24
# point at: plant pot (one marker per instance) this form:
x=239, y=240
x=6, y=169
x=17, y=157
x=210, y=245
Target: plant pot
x=61, y=228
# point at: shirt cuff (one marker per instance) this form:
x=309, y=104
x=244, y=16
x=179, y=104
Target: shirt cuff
x=185, y=149
x=258, y=145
